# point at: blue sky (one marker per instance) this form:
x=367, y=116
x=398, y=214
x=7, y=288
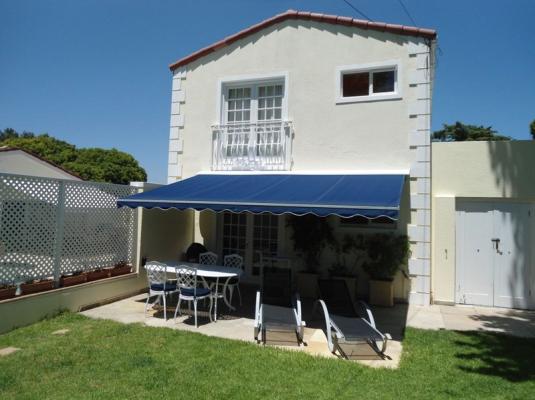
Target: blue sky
x=95, y=73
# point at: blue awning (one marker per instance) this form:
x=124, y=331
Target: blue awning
x=370, y=196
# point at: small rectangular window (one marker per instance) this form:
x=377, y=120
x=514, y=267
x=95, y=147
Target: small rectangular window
x=356, y=84
x=383, y=82
x=370, y=82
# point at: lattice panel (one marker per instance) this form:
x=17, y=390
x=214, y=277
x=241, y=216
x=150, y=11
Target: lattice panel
x=96, y=233
x=49, y=227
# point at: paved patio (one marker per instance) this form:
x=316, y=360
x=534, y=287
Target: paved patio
x=238, y=325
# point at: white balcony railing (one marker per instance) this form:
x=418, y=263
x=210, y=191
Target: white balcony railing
x=252, y=146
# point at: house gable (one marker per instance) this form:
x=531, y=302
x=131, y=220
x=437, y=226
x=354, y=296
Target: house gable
x=429, y=34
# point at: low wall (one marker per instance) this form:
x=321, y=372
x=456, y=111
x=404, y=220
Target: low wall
x=25, y=310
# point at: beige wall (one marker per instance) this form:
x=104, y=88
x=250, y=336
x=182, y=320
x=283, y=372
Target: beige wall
x=26, y=310
x=21, y=163
x=372, y=135
x=472, y=170
x=328, y=136
x=166, y=234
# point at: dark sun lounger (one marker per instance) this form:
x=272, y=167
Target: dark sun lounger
x=344, y=324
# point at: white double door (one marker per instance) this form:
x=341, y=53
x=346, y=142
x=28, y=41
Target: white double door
x=251, y=236
x=494, y=254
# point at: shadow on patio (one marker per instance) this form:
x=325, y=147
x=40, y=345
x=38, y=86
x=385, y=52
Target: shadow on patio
x=238, y=324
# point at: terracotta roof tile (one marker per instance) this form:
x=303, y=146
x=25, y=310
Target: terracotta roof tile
x=306, y=15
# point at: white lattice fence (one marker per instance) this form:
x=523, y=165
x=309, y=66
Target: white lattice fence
x=49, y=227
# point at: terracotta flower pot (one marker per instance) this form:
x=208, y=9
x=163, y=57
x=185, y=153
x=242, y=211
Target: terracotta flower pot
x=36, y=287
x=7, y=293
x=121, y=270
x=96, y=275
x=382, y=293
x=72, y=280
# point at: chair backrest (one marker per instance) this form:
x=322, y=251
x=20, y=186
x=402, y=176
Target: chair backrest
x=208, y=258
x=335, y=294
x=233, y=261
x=156, y=272
x=186, y=277
x=277, y=286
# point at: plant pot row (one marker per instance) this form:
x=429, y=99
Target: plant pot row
x=65, y=281
x=71, y=280
x=381, y=291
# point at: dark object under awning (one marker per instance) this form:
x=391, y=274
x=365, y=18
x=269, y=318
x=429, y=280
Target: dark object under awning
x=367, y=195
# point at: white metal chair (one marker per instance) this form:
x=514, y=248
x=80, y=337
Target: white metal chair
x=158, y=284
x=208, y=258
x=187, y=283
x=233, y=261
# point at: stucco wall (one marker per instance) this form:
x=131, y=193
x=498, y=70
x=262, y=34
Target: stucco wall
x=328, y=136
x=473, y=170
x=372, y=135
x=21, y=163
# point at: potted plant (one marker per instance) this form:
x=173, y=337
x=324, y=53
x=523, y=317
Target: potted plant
x=386, y=253
x=97, y=274
x=7, y=291
x=348, y=253
x=72, y=279
x=310, y=235
x=121, y=268
x=37, y=285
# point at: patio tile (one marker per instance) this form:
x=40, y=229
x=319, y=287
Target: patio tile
x=238, y=325
x=425, y=317
x=8, y=350
x=461, y=322
x=457, y=309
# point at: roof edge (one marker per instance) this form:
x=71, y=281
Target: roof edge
x=306, y=15
x=5, y=149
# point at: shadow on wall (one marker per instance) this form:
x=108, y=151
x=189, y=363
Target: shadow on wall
x=513, y=165
x=495, y=354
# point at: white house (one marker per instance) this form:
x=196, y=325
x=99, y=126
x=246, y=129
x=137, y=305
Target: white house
x=304, y=104
x=20, y=162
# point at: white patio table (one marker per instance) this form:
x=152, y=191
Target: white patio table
x=208, y=271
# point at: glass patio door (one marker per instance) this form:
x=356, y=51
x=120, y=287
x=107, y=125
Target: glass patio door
x=254, y=237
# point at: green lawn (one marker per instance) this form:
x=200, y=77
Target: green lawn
x=104, y=359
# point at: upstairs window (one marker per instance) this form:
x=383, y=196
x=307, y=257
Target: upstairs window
x=367, y=83
x=253, y=103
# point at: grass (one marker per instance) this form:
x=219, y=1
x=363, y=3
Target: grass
x=105, y=359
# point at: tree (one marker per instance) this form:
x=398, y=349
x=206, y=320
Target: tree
x=532, y=129
x=94, y=164
x=460, y=132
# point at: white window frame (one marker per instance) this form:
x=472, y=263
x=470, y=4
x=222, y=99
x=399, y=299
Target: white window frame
x=370, y=68
x=253, y=80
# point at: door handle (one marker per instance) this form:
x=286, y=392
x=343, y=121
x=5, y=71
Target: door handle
x=496, y=245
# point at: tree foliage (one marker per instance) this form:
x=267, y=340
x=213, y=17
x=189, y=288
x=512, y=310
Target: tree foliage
x=532, y=129
x=460, y=132
x=94, y=164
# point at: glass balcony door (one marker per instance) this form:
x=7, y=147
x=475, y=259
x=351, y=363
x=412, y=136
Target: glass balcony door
x=254, y=237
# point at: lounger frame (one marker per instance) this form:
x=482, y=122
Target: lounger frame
x=260, y=329
x=335, y=336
